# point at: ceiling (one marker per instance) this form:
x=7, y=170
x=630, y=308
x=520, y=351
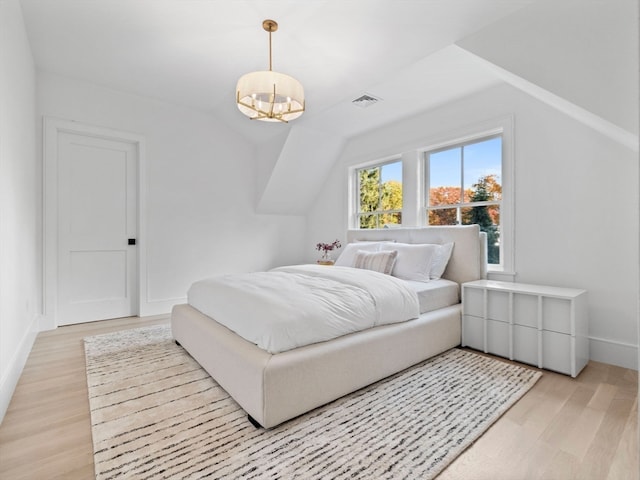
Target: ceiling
x=578, y=56
x=191, y=52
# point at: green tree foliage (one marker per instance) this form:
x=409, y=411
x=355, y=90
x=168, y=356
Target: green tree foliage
x=391, y=200
x=376, y=197
x=369, y=196
x=487, y=189
x=369, y=190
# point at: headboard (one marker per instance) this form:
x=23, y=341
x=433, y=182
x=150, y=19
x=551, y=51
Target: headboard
x=469, y=257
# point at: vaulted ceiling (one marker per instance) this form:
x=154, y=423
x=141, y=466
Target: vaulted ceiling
x=414, y=55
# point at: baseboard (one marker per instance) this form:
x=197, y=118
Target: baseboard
x=160, y=307
x=613, y=352
x=11, y=376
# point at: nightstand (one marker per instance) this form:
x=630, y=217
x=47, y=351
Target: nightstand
x=535, y=324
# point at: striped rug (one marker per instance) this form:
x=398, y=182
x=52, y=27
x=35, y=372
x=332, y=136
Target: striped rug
x=156, y=414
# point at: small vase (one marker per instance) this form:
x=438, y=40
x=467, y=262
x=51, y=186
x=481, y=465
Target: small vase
x=325, y=259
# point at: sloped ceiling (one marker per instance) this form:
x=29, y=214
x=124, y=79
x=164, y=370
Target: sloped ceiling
x=584, y=52
x=412, y=54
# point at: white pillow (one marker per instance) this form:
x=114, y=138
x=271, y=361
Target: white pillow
x=382, y=262
x=413, y=261
x=373, y=241
x=440, y=261
x=347, y=257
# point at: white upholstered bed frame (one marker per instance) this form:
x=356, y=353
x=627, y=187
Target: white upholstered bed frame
x=273, y=388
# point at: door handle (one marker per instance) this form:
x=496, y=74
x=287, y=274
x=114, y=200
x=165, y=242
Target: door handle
x=132, y=241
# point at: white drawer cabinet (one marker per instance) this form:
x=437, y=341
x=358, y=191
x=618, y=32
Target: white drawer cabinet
x=535, y=324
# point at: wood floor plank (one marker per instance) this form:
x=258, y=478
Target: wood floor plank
x=516, y=451
x=602, y=397
x=563, y=466
x=626, y=456
x=562, y=429
x=579, y=435
x=599, y=458
x=567, y=416
x=555, y=391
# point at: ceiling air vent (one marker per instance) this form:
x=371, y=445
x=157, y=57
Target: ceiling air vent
x=365, y=101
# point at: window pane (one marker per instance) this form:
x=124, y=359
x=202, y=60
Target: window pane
x=443, y=216
x=368, y=221
x=444, y=196
x=444, y=177
x=369, y=189
x=380, y=190
x=488, y=218
x=391, y=172
x=391, y=186
x=391, y=195
x=390, y=219
x=482, y=170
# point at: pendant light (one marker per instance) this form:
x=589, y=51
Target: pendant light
x=267, y=95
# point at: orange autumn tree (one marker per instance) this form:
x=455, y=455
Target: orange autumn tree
x=443, y=196
x=487, y=188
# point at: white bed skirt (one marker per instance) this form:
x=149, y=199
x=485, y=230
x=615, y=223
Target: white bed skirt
x=273, y=388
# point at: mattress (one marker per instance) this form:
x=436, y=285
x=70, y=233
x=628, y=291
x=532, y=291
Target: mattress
x=435, y=294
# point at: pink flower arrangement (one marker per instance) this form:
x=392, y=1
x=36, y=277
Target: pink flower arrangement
x=327, y=247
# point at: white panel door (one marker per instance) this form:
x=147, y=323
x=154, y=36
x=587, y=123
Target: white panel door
x=97, y=203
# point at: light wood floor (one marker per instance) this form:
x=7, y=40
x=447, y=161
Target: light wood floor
x=562, y=429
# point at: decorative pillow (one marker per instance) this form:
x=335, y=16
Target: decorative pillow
x=382, y=262
x=347, y=257
x=440, y=260
x=413, y=261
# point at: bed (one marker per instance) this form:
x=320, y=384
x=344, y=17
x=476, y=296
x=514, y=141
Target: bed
x=275, y=387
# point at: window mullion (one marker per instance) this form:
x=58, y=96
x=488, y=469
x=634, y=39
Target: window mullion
x=461, y=179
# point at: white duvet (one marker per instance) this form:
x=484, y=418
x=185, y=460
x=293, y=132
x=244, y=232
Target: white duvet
x=289, y=307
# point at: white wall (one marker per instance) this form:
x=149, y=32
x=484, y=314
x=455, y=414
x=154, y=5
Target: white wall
x=200, y=191
x=576, y=205
x=297, y=176
x=20, y=246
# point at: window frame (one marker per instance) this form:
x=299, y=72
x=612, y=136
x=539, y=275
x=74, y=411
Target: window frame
x=462, y=204
x=503, y=126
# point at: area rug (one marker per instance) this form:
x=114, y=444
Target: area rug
x=155, y=414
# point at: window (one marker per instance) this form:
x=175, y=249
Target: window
x=380, y=195
x=464, y=186
x=463, y=176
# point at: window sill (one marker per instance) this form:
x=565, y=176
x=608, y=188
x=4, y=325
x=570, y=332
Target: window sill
x=495, y=273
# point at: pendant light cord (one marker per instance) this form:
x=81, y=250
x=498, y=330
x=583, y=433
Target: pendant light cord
x=270, y=66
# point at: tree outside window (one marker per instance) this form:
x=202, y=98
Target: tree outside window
x=380, y=195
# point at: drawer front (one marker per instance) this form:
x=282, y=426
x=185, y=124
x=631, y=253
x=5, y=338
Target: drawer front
x=472, y=332
x=556, y=352
x=498, y=338
x=525, y=344
x=525, y=310
x=498, y=305
x=473, y=302
x=556, y=315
